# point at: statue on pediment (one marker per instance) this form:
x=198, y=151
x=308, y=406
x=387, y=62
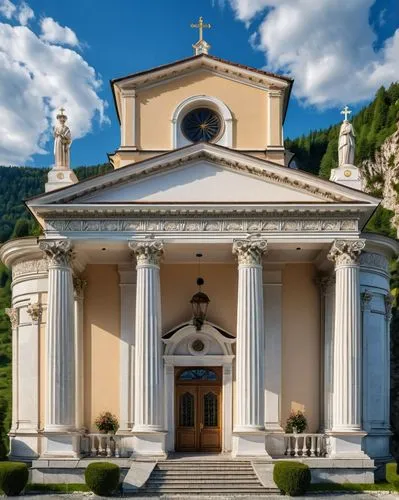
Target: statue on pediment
x=62, y=141
x=346, y=143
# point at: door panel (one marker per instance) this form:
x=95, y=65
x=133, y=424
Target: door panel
x=209, y=412
x=186, y=428
x=198, y=410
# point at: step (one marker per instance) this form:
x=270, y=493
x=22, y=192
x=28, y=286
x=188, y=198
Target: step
x=210, y=491
x=193, y=476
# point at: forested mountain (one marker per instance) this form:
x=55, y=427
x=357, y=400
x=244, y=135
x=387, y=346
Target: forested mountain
x=377, y=151
x=317, y=152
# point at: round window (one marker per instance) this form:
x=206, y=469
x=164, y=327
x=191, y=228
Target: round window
x=201, y=125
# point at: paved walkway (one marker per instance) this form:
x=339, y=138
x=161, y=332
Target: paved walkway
x=337, y=496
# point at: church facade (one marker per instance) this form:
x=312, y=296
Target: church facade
x=291, y=312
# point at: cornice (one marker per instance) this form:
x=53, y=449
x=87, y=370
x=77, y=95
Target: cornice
x=20, y=249
x=247, y=165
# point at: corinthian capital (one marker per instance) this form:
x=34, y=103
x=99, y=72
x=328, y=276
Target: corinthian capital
x=346, y=251
x=12, y=313
x=249, y=251
x=58, y=252
x=147, y=251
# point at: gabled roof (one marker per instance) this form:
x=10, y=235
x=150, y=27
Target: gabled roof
x=254, y=76
x=94, y=194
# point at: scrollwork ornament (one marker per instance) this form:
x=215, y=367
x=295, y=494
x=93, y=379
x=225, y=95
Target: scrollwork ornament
x=79, y=286
x=58, y=252
x=12, y=313
x=346, y=252
x=388, y=301
x=250, y=251
x=35, y=311
x=147, y=252
x=365, y=298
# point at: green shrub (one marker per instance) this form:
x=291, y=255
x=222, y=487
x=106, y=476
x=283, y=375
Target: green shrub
x=102, y=477
x=392, y=474
x=13, y=477
x=292, y=478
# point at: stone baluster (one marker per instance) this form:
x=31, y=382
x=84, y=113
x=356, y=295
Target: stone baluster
x=148, y=391
x=249, y=431
x=60, y=341
x=346, y=434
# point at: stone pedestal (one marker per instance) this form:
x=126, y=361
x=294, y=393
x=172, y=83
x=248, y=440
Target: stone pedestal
x=249, y=431
x=346, y=434
x=60, y=415
x=149, y=419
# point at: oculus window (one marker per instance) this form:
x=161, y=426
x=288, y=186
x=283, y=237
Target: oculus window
x=201, y=125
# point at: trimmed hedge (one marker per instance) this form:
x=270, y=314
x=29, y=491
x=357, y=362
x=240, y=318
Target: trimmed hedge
x=13, y=477
x=102, y=477
x=292, y=478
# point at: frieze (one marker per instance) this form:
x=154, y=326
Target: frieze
x=369, y=259
x=225, y=225
x=29, y=267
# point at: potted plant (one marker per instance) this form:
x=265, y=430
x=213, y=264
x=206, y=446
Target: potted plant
x=296, y=423
x=106, y=422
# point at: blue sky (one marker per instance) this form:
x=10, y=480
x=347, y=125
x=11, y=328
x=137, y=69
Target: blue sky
x=337, y=54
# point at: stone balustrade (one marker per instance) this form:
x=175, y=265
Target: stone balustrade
x=305, y=445
x=104, y=445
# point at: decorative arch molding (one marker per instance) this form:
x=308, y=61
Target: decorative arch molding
x=178, y=138
x=218, y=351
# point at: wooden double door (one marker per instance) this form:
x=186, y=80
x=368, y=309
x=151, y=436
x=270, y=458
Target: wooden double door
x=198, y=409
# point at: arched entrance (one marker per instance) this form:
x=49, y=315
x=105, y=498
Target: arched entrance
x=198, y=388
x=198, y=409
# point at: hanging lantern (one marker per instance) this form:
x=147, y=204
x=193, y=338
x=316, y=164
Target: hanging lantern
x=199, y=301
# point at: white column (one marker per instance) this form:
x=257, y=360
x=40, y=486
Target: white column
x=328, y=383
x=149, y=418
x=272, y=296
x=60, y=349
x=249, y=431
x=346, y=434
x=79, y=287
x=227, y=406
x=127, y=285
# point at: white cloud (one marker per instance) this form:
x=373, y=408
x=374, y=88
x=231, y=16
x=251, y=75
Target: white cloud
x=54, y=33
x=7, y=8
x=36, y=78
x=328, y=47
x=25, y=14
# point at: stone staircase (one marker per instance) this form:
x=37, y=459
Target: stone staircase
x=186, y=478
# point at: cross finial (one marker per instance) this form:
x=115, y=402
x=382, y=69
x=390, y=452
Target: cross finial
x=346, y=111
x=201, y=25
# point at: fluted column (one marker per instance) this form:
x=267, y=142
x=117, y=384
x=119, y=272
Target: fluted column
x=347, y=361
x=60, y=338
x=148, y=388
x=250, y=349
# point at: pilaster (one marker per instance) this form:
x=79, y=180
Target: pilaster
x=128, y=119
x=79, y=286
x=12, y=313
x=346, y=433
x=249, y=431
x=149, y=419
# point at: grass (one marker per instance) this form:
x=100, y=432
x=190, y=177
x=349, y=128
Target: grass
x=56, y=488
x=390, y=484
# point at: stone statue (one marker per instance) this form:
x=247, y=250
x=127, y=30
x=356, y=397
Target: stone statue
x=62, y=142
x=346, y=143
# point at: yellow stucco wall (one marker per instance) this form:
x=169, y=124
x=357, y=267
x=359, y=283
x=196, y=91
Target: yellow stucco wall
x=101, y=342
x=178, y=285
x=301, y=343
x=155, y=107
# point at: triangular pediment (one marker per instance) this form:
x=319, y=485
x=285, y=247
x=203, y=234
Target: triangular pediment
x=203, y=174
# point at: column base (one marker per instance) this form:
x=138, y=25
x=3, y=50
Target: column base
x=346, y=444
x=59, y=445
x=249, y=444
x=149, y=445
